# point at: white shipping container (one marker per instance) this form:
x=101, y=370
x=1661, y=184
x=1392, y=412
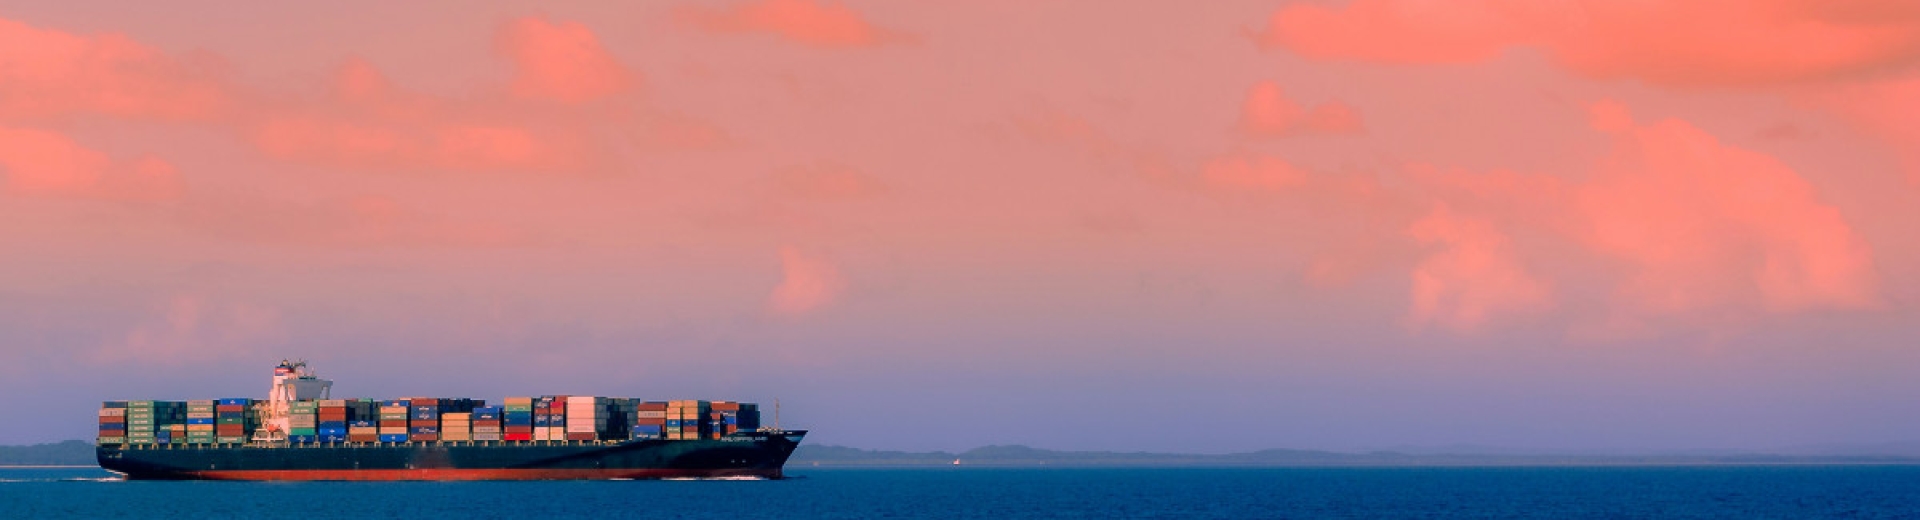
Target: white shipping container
x=113, y=412
x=650, y=414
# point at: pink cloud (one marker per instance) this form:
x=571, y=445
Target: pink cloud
x=1259, y=173
x=1711, y=225
x=1398, y=31
x=189, y=327
x=42, y=163
x=818, y=24
x=368, y=123
x=828, y=181
x=1687, y=230
x=1472, y=275
x=1888, y=110
x=561, y=61
x=1268, y=111
x=48, y=73
x=1676, y=43
x=360, y=221
x=807, y=283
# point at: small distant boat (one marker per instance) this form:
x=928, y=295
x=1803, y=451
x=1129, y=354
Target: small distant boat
x=956, y=462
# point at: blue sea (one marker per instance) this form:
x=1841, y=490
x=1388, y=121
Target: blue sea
x=1744, y=492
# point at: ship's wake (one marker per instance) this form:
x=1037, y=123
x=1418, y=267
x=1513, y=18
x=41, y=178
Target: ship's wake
x=717, y=478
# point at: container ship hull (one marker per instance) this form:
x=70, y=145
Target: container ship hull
x=759, y=455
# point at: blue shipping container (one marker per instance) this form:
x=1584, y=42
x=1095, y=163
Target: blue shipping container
x=332, y=438
x=402, y=402
x=397, y=437
x=303, y=439
x=242, y=401
x=200, y=420
x=363, y=424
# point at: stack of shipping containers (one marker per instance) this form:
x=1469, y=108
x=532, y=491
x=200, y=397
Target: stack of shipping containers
x=149, y=422
x=650, y=420
x=586, y=416
x=393, y=420
x=363, y=420
x=486, y=423
x=687, y=419
x=113, y=422
x=201, y=420
x=620, y=412
x=332, y=425
x=516, y=419
x=549, y=418
x=736, y=417
x=424, y=424
x=456, y=426
x=231, y=420
x=303, y=420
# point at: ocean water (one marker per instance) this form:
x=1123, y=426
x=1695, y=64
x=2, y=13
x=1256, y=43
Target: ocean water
x=1745, y=492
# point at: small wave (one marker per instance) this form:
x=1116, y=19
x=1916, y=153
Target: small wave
x=714, y=478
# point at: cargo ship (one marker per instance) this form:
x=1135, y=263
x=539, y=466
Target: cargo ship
x=300, y=433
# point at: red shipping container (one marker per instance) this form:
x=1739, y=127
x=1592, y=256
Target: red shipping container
x=393, y=424
x=424, y=437
x=583, y=436
x=520, y=429
x=517, y=436
x=653, y=407
x=726, y=406
x=229, y=408
x=118, y=419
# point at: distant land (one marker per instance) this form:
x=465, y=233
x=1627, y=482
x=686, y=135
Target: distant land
x=80, y=453
x=67, y=453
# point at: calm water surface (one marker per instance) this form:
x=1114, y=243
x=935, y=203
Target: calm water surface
x=1540, y=492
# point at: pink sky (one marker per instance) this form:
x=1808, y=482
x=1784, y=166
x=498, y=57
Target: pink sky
x=1575, y=224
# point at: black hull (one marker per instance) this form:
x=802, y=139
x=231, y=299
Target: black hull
x=756, y=455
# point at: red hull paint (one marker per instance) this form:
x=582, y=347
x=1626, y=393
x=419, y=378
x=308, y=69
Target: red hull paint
x=481, y=474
